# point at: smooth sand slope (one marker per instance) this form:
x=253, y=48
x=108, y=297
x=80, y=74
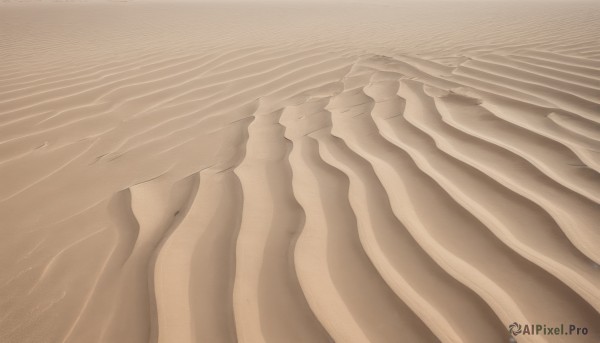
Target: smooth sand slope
x=409, y=172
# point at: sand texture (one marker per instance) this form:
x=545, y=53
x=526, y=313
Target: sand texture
x=241, y=172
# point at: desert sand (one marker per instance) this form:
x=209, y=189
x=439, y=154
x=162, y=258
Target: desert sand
x=253, y=172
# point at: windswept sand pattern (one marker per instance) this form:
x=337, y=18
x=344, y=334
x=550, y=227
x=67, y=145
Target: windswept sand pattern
x=418, y=186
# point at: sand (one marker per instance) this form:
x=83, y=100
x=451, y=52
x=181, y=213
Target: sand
x=283, y=172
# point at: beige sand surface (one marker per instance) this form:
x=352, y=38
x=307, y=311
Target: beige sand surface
x=285, y=172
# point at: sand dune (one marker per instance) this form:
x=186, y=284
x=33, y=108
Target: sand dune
x=358, y=172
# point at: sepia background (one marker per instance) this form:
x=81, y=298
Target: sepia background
x=286, y=171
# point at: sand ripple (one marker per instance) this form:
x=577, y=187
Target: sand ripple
x=308, y=192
